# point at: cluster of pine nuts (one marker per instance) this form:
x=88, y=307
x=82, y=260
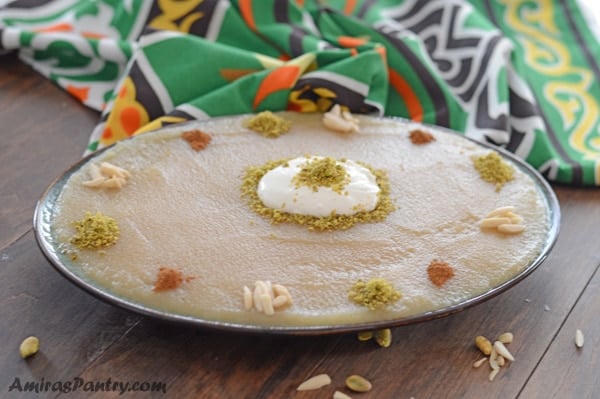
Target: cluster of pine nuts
x=497, y=354
x=340, y=120
x=266, y=297
x=107, y=175
x=504, y=220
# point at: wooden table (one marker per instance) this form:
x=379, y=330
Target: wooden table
x=85, y=341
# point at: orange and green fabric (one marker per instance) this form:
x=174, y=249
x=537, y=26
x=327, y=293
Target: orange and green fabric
x=520, y=74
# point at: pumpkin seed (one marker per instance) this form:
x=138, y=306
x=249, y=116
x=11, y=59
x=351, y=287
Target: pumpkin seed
x=357, y=383
x=365, y=335
x=506, y=338
x=384, y=337
x=29, y=347
x=484, y=344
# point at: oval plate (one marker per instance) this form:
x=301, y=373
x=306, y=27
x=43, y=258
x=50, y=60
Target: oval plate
x=44, y=214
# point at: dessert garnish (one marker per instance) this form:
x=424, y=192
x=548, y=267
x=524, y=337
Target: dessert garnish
x=418, y=137
x=374, y=294
x=319, y=192
x=504, y=220
x=340, y=120
x=268, y=124
x=197, y=139
x=439, y=272
x=169, y=279
x=267, y=297
x=95, y=231
x=107, y=175
x=322, y=172
x=493, y=169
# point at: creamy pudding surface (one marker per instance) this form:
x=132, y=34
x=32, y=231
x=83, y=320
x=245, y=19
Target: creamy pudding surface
x=189, y=241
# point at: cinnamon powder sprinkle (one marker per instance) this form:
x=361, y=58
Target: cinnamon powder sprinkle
x=169, y=279
x=198, y=140
x=418, y=137
x=439, y=272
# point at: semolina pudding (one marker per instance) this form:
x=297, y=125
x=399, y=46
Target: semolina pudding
x=310, y=227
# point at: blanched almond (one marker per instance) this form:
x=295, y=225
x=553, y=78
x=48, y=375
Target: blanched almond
x=503, y=351
x=340, y=395
x=316, y=382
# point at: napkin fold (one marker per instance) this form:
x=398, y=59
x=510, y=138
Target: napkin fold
x=522, y=75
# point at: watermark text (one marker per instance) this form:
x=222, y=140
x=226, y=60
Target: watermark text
x=78, y=384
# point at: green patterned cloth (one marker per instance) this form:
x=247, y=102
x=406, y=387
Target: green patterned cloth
x=519, y=74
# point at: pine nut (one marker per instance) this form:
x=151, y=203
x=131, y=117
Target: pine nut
x=280, y=301
x=490, y=223
x=96, y=182
x=95, y=171
x=579, y=338
x=514, y=218
x=110, y=170
x=281, y=290
x=267, y=304
x=267, y=297
x=247, y=298
x=502, y=211
x=511, y=228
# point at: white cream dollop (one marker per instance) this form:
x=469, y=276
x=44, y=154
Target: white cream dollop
x=277, y=190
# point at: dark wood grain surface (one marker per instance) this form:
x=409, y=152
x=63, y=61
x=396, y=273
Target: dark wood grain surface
x=85, y=341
